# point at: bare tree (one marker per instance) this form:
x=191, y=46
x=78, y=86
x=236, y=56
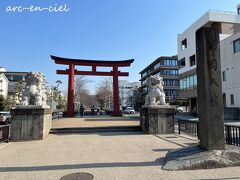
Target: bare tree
x=104, y=93
x=81, y=93
x=58, y=82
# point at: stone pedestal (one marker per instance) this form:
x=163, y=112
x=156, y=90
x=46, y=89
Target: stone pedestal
x=30, y=123
x=157, y=119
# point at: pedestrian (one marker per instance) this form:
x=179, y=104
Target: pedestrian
x=98, y=110
x=92, y=110
x=194, y=112
x=81, y=110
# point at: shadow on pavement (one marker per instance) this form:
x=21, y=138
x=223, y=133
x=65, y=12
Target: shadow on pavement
x=157, y=162
x=162, y=150
x=220, y=178
x=104, y=133
x=165, y=139
x=102, y=119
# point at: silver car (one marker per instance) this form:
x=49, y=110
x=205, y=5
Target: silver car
x=5, y=117
x=129, y=110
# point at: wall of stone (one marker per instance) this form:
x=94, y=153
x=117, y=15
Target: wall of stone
x=30, y=124
x=157, y=119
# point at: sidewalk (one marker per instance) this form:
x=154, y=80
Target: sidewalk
x=108, y=156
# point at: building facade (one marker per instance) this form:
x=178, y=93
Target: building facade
x=167, y=67
x=187, y=50
x=3, y=85
x=125, y=88
x=230, y=65
x=14, y=78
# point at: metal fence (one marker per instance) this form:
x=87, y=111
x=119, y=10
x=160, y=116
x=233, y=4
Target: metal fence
x=191, y=127
x=232, y=134
x=188, y=127
x=4, y=133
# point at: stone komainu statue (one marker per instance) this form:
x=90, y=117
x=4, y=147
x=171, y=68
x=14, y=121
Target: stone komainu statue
x=155, y=95
x=34, y=91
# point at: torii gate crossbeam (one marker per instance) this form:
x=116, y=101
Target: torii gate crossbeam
x=71, y=72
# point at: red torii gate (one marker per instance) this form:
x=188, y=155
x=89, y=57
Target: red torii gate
x=71, y=72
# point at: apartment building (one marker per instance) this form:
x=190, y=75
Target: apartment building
x=167, y=67
x=187, y=50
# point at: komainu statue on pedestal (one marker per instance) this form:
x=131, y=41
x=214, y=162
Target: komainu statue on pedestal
x=34, y=91
x=155, y=95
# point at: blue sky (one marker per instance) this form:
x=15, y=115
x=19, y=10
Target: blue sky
x=96, y=29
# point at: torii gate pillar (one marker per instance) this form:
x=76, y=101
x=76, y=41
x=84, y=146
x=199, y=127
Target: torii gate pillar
x=70, y=103
x=116, y=111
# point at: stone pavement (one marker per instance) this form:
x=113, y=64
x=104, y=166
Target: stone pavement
x=95, y=121
x=108, y=156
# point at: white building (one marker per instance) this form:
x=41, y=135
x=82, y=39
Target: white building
x=124, y=88
x=230, y=64
x=187, y=49
x=3, y=85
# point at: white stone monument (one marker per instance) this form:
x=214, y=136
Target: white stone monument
x=156, y=95
x=157, y=117
x=31, y=120
x=34, y=92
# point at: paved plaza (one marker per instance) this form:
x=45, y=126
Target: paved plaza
x=95, y=121
x=123, y=156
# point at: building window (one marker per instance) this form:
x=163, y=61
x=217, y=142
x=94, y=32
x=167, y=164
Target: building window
x=171, y=82
x=184, y=44
x=168, y=72
x=194, y=80
x=157, y=66
x=236, y=46
x=192, y=60
x=17, y=78
x=170, y=62
x=172, y=93
x=189, y=82
x=182, y=62
x=232, y=99
x=224, y=75
x=144, y=74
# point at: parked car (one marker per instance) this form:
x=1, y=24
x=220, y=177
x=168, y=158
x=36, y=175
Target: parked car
x=179, y=109
x=129, y=110
x=5, y=117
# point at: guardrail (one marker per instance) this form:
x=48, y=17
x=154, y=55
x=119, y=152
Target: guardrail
x=188, y=127
x=4, y=133
x=231, y=132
